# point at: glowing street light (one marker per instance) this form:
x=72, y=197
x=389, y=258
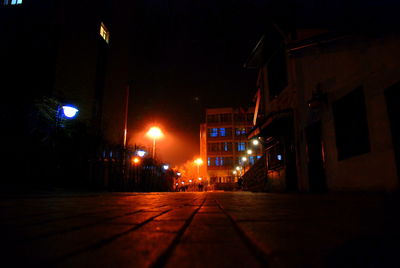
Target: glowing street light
x=190, y=180
x=255, y=142
x=136, y=160
x=141, y=153
x=178, y=173
x=154, y=133
x=249, y=151
x=69, y=111
x=199, y=179
x=244, y=158
x=165, y=167
x=234, y=172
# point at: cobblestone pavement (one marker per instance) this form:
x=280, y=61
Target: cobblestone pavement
x=199, y=230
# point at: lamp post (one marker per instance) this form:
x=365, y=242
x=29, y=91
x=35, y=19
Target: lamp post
x=198, y=162
x=154, y=133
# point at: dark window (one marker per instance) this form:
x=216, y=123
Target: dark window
x=241, y=117
x=228, y=132
x=250, y=117
x=212, y=118
x=351, y=125
x=277, y=73
x=226, y=118
x=228, y=161
x=211, y=161
x=213, y=147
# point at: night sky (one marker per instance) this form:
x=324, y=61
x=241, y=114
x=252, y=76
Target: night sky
x=189, y=55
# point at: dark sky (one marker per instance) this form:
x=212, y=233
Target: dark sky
x=189, y=55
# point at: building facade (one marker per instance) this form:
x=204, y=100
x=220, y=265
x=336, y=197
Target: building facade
x=330, y=120
x=223, y=144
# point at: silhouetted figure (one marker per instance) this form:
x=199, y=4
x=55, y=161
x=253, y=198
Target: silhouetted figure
x=240, y=183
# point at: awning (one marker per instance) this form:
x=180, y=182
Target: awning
x=266, y=125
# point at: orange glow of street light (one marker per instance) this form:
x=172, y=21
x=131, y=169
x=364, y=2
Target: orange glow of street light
x=136, y=160
x=155, y=132
x=198, y=161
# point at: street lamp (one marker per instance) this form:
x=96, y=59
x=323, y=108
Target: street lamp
x=154, y=133
x=136, y=160
x=141, y=153
x=69, y=111
x=255, y=142
x=198, y=162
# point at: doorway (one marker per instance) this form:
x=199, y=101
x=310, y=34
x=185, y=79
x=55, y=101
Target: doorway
x=315, y=153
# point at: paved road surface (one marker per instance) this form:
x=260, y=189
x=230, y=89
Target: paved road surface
x=199, y=230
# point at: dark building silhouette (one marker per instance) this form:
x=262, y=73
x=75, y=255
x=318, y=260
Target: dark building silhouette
x=329, y=120
x=54, y=53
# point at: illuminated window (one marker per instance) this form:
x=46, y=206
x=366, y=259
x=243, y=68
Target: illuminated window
x=227, y=147
x=11, y=2
x=222, y=132
x=241, y=146
x=251, y=160
x=104, y=33
x=208, y=161
x=240, y=131
x=213, y=132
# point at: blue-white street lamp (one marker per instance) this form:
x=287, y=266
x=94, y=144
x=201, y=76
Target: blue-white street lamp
x=141, y=153
x=69, y=111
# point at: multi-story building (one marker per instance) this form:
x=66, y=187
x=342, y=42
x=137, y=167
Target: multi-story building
x=223, y=144
x=331, y=119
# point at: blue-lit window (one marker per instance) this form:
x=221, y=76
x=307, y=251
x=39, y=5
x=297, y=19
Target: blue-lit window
x=251, y=160
x=241, y=146
x=226, y=146
x=258, y=157
x=217, y=161
x=222, y=132
x=240, y=131
x=209, y=161
x=11, y=2
x=213, y=132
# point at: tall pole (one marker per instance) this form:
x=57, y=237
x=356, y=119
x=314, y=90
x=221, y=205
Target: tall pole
x=198, y=171
x=154, y=147
x=126, y=115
